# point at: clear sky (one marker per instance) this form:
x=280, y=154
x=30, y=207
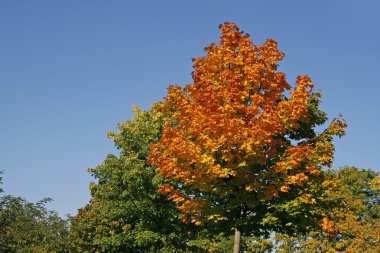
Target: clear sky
x=71, y=70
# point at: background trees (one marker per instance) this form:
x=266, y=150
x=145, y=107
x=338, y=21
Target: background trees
x=353, y=203
x=30, y=227
x=126, y=213
x=356, y=217
x=359, y=227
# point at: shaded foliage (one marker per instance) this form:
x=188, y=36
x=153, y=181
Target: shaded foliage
x=126, y=214
x=356, y=216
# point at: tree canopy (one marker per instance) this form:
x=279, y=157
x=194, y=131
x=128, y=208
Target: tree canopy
x=126, y=213
x=240, y=138
x=357, y=217
x=30, y=227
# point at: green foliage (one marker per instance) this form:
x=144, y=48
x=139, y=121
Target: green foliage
x=30, y=227
x=126, y=214
x=358, y=182
x=223, y=243
x=354, y=208
x=258, y=245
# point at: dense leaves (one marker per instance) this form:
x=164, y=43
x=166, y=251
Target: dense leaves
x=126, y=213
x=239, y=143
x=357, y=218
x=31, y=228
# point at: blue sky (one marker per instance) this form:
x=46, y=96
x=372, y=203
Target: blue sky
x=71, y=70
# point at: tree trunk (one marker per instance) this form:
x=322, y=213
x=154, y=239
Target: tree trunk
x=237, y=241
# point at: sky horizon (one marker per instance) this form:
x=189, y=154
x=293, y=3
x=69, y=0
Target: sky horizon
x=70, y=71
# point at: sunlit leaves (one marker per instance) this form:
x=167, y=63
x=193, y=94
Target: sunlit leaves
x=234, y=139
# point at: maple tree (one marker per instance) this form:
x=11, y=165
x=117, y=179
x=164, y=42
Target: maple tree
x=240, y=139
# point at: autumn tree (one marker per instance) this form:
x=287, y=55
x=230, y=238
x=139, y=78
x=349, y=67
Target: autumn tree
x=239, y=141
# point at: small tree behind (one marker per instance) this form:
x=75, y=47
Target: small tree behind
x=237, y=145
x=125, y=213
x=30, y=227
x=356, y=217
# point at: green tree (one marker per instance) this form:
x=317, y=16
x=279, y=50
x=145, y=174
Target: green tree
x=30, y=227
x=356, y=215
x=358, y=223
x=125, y=213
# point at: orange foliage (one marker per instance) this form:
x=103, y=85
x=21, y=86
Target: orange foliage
x=328, y=226
x=228, y=131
